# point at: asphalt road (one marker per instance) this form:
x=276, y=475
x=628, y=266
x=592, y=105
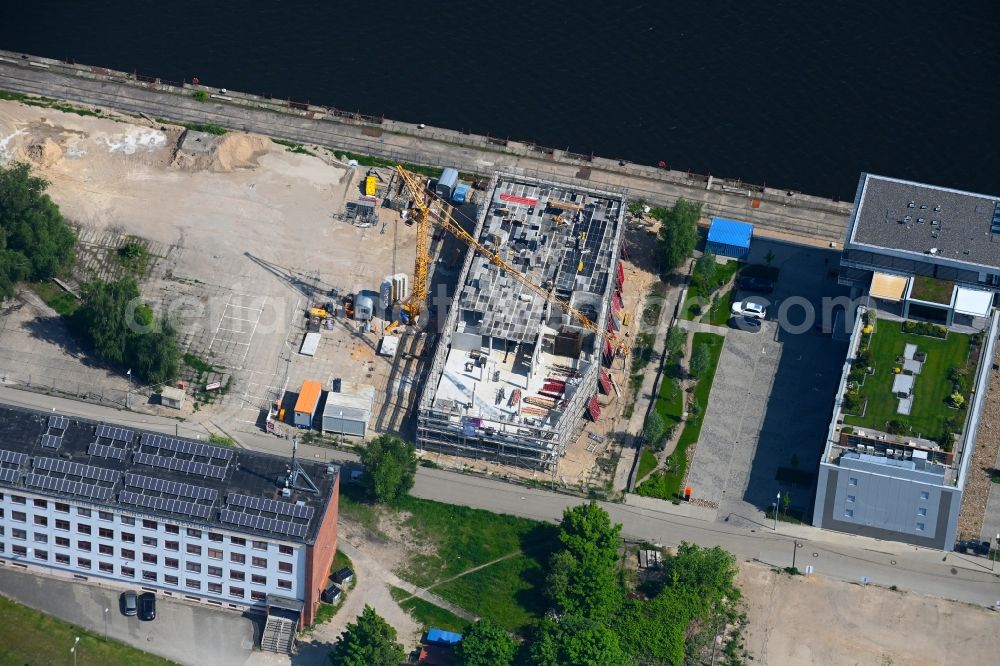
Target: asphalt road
x=839, y=556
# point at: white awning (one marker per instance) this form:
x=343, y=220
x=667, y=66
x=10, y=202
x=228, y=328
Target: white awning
x=973, y=302
x=888, y=287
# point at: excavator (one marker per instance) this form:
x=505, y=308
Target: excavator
x=424, y=215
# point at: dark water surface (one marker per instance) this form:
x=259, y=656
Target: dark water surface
x=794, y=94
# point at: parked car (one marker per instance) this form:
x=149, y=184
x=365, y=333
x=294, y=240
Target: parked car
x=749, y=308
x=129, y=603
x=147, y=606
x=756, y=284
x=331, y=594
x=343, y=576
x=746, y=323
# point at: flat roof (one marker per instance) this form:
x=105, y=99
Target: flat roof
x=730, y=232
x=927, y=221
x=308, y=396
x=158, y=475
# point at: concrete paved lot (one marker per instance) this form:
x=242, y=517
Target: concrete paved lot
x=187, y=633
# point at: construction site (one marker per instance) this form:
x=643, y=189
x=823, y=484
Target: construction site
x=522, y=354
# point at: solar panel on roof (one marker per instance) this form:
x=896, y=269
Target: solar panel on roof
x=15, y=457
x=8, y=475
x=58, y=422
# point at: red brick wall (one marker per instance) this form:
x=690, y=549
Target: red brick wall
x=319, y=556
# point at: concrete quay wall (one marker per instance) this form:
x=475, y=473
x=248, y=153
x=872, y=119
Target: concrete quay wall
x=790, y=215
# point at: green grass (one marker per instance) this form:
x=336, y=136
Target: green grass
x=358, y=510
x=221, y=440
x=720, y=311
x=293, y=147
x=931, y=289
x=670, y=402
x=198, y=364
x=28, y=636
x=46, y=103
x=200, y=95
x=208, y=128
x=340, y=561
x=646, y=463
x=931, y=387
x=699, y=294
x=667, y=484
x=56, y=297
x=133, y=257
x=427, y=614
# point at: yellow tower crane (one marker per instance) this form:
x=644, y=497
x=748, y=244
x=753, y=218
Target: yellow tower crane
x=444, y=219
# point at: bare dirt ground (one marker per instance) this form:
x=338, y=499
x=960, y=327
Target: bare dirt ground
x=815, y=620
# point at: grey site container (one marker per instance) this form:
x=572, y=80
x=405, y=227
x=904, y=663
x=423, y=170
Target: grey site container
x=348, y=411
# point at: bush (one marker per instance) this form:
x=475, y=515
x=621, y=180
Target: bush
x=852, y=402
x=925, y=328
x=956, y=400
x=895, y=427
x=701, y=358
x=200, y=95
x=654, y=429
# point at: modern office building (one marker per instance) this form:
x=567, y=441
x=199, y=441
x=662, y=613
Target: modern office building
x=513, y=375
x=926, y=262
x=210, y=524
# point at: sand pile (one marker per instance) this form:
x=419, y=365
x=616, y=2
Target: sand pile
x=198, y=151
x=44, y=153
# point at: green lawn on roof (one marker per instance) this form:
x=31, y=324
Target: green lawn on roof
x=931, y=387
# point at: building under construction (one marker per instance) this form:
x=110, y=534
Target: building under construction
x=513, y=374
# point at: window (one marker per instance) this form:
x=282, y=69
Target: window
x=922, y=511
x=259, y=562
x=237, y=575
x=62, y=542
x=259, y=545
x=128, y=520
x=19, y=550
x=83, y=562
x=284, y=584
x=257, y=596
x=105, y=515
x=192, y=549
x=17, y=499
x=62, y=558
x=149, y=524
x=128, y=554
x=149, y=541
x=924, y=495
x=236, y=592
x=149, y=558
x=215, y=536
x=105, y=549
x=171, y=563
x=106, y=567
x=193, y=567
x=83, y=528
x=849, y=513
x=105, y=533
x=258, y=580
x=192, y=584
x=215, y=571
x=149, y=575
x=215, y=588
x=920, y=527
x=41, y=537
x=285, y=567
x=128, y=572
x=41, y=504
x=18, y=533
x=172, y=545
x=193, y=533
x=128, y=537
x=83, y=545
x=238, y=541
x=41, y=554
x=62, y=525
x=80, y=511
x=853, y=481
x=172, y=529
x=170, y=580
x=41, y=521
x=238, y=558
x=19, y=516
x=285, y=550
x=215, y=553
x=62, y=507
x=851, y=498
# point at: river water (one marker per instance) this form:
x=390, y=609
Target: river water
x=794, y=94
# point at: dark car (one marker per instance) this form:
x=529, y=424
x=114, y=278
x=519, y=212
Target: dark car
x=343, y=576
x=129, y=603
x=331, y=594
x=147, y=606
x=980, y=548
x=757, y=284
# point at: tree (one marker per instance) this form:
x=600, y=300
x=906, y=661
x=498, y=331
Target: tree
x=654, y=429
x=676, y=339
x=368, y=642
x=576, y=640
x=583, y=572
x=678, y=232
x=485, y=644
x=35, y=241
x=390, y=465
x=701, y=357
x=704, y=271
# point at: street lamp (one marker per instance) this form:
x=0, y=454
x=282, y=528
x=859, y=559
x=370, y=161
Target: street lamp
x=73, y=649
x=106, y=623
x=776, y=502
x=341, y=442
x=993, y=556
x=795, y=549
x=128, y=396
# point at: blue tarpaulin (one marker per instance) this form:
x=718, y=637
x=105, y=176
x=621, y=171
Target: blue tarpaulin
x=730, y=238
x=442, y=637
